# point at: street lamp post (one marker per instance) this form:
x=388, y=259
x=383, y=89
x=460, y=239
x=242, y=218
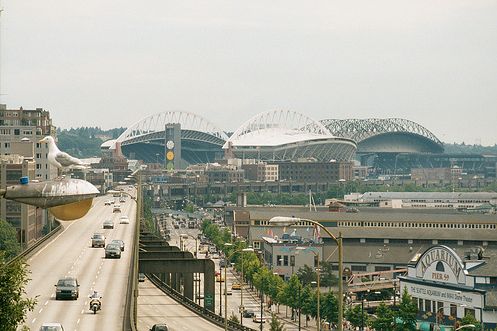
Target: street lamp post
x=243, y=250
x=186, y=235
x=300, y=304
x=288, y=221
x=220, y=289
x=262, y=302
x=362, y=314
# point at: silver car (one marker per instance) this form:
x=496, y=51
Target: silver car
x=119, y=243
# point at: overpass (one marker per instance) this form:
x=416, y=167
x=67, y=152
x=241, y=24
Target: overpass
x=68, y=253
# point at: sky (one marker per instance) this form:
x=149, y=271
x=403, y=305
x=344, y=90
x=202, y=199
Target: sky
x=109, y=63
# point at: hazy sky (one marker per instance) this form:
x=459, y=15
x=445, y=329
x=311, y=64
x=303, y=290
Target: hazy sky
x=110, y=63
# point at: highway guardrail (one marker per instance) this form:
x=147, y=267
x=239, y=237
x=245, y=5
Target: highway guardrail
x=33, y=248
x=194, y=307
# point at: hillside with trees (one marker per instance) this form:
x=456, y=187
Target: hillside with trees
x=85, y=142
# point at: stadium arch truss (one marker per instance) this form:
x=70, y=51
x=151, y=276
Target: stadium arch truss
x=283, y=135
x=390, y=135
x=201, y=141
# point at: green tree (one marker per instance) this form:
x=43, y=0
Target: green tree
x=327, y=277
x=329, y=307
x=8, y=240
x=470, y=319
x=406, y=315
x=384, y=318
x=275, y=325
x=292, y=293
x=357, y=316
x=13, y=302
x=306, y=275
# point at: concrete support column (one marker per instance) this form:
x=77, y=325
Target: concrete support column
x=188, y=285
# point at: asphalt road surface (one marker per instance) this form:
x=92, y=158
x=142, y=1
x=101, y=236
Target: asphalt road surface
x=70, y=254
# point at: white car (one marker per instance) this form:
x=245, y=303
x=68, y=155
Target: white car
x=116, y=209
x=107, y=203
x=51, y=327
x=124, y=220
x=258, y=319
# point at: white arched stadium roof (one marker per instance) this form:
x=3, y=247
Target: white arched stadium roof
x=276, y=128
x=157, y=122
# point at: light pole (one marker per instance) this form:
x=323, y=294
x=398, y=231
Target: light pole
x=300, y=304
x=362, y=314
x=221, y=289
x=262, y=303
x=186, y=235
x=289, y=221
x=243, y=250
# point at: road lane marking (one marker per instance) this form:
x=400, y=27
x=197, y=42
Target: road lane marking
x=41, y=250
x=46, y=303
x=33, y=321
x=79, y=319
x=40, y=310
x=82, y=311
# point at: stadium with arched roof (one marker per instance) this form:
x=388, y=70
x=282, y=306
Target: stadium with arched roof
x=389, y=135
x=283, y=135
x=390, y=145
x=201, y=141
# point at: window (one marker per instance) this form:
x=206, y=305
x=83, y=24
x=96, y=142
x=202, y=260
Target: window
x=285, y=260
x=358, y=268
x=453, y=310
x=427, y=305
x=278, y=260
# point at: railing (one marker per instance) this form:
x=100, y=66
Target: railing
x=37, y=245
x=129, y=322
x=196, y=308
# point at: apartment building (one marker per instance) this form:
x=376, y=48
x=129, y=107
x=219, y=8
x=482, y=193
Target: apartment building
x=21, y=124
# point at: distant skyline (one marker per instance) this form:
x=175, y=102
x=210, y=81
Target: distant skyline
x=111, y=63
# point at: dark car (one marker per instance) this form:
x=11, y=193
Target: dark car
x=67, y=288
x=248, y=313
x=98, y=240
x=159, y=327
x=112, y=250
x=119, y=243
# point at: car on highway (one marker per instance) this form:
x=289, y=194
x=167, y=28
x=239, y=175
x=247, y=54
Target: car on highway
x=219, y=278
x=107, y=203
x=67, y=288
x=98, y=240
x=116, y=209
x=112, y=251
x=51, y=327
x=257, y=318
x=227, y=292
x=159, y=327
x=108, y=224
x=119, y=243
x=249, y=312
x=122, y=200
x=236, y=286
x=222, y=263
x=124, y=219
x=141, y=277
